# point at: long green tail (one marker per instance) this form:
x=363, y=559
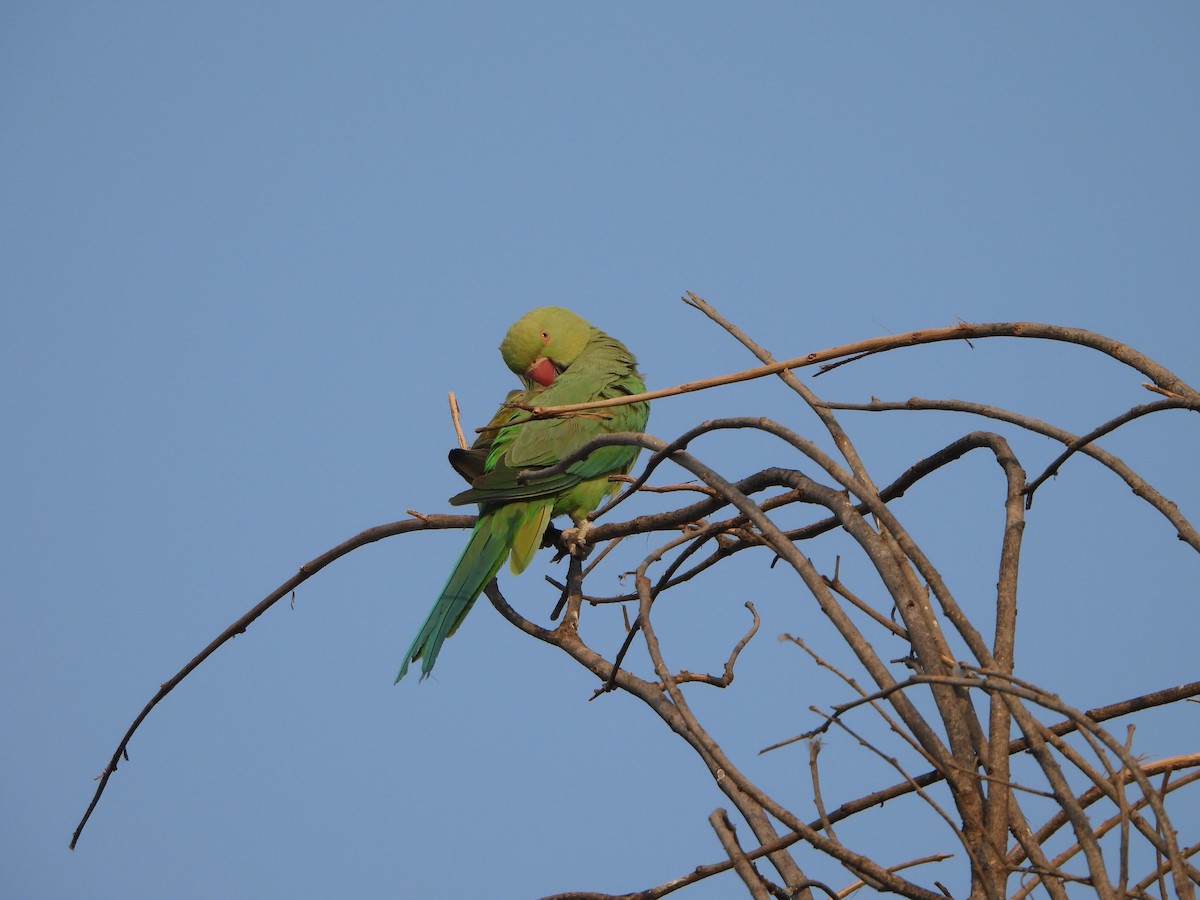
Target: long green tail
x=489, y=544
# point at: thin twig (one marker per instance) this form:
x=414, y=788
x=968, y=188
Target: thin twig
x=1094, y=435
x=454, y=417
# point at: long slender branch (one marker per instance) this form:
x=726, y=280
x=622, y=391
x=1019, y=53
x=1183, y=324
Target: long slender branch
x=309, y=569
x=1162, y=377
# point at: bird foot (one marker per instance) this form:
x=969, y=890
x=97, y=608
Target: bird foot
x=576, y=539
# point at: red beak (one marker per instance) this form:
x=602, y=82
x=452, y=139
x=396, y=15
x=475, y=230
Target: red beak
x=542, y=371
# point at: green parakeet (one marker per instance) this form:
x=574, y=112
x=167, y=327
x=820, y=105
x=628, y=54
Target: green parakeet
x=560, y=359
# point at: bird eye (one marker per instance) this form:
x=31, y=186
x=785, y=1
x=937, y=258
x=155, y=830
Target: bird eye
x=545, y=337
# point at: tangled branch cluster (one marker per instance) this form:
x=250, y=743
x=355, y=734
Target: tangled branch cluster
x=958, y=717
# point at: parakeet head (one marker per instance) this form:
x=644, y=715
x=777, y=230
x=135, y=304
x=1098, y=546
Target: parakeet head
x=543, y=343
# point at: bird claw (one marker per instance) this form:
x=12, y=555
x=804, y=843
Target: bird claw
x=576, y=539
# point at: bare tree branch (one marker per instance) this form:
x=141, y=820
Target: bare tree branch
x=929, y=709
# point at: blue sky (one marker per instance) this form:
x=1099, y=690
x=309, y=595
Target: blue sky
x=247, y=248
